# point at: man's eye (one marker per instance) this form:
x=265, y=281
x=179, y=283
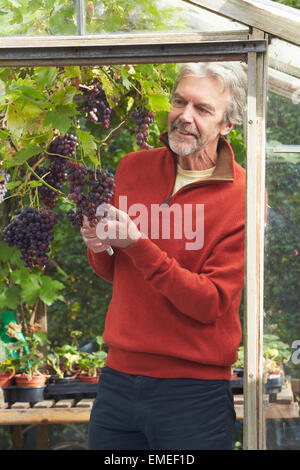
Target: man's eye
x=177, y=102
x=202, y=110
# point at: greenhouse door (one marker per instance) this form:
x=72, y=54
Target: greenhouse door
x=171, y=48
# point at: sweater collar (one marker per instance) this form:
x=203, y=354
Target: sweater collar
x=224, y=170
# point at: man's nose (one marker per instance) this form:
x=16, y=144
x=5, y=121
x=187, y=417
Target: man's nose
x=187, y=114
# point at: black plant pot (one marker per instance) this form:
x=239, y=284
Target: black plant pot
x=32, y=395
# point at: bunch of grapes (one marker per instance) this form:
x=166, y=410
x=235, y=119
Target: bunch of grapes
x=4, y=178
x=88, y=189
x=55, y=174
x=142, y=119
x=31, y=231
x=98, y=108
x=64, y=146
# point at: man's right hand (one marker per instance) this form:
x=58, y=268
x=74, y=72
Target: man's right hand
x=90, y=238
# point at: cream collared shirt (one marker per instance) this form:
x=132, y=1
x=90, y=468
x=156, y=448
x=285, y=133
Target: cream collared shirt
x=185, y=177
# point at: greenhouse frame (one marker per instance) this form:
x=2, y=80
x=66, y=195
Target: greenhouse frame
x=265, y=36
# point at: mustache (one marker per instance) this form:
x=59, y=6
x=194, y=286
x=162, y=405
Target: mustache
x=185, y=127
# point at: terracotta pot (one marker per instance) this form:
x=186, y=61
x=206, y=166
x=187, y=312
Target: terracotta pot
x=6, y=379
x=30, y=381
x=87, y=379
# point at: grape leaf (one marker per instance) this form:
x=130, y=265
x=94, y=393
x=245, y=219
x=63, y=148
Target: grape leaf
x=27, y=152
x=49, y=291
x=59, y=119
x=87, y=142
x=10, y=298
x=159, y=102
x=45, y=76
x=31, y=288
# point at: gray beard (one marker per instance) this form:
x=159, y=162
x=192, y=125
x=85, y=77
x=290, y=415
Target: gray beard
x=181, y=148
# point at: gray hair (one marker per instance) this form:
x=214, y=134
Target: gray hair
x=233, y=77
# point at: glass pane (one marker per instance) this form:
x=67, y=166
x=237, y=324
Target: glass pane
x=59, y=17
x=282, y=273
x=284, y=57
x=140, y=16
x=38, y=17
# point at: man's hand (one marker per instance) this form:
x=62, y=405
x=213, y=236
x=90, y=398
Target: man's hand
x=115, y=227
x=90, y=238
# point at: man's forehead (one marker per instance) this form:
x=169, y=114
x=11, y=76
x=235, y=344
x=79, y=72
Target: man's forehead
x=203, y=89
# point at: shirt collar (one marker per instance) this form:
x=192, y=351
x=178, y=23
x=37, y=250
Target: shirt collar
x=224, y=170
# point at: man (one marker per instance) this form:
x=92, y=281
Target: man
x=173, y=324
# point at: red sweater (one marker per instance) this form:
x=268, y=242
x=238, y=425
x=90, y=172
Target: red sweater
x=175, y=312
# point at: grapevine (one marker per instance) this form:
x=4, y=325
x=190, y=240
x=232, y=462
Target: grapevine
x=55, y=173
x=100, y=185
x=142, y=119
x=31, y=231
x=98, y=108
x=4, y=178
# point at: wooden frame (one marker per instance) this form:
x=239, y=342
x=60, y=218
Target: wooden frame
x=183, y=48
x=254, y=420
x=78, y=50
x=271, y=17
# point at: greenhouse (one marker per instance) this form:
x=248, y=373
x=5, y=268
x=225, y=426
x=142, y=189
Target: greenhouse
x=82, y=85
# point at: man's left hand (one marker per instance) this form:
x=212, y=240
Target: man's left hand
x=116, y=227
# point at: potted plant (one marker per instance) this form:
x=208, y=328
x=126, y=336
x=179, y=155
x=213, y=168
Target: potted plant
x=63, y=360
x=29, y=364
x=90, y=364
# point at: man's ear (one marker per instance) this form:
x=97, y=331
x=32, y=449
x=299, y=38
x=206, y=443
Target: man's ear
x=226, y=128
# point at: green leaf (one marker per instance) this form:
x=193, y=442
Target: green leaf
x=12, y=184
x=59, y=119
x=6, y=252
x=27, y=152
x=159, y=102
x=87, y=142
x=28, y=91
x=31, y=288
x=45, y=76
x=15, y=122
x=10, y=297
x=73, y=72
x=49, y=291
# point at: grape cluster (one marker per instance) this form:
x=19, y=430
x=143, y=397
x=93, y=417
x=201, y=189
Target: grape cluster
x=31, y=231
x=65, y=146
x=88, y=189
x=98, y=108
x=4, y=178
x=142, y=119
x=55, y=174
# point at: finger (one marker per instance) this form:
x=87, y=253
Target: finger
x=101, y=210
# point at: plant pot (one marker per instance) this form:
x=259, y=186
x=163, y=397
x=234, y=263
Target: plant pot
x=6, y=379
x=23, y=394
x=239, y=371
x=87, y=379
x=55, y=379
x=30, y=381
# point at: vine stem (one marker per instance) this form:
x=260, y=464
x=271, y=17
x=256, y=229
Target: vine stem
x=41, y=180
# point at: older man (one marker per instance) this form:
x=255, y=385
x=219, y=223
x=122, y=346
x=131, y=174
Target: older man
x=173, y=324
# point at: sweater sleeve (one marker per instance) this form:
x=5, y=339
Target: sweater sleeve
x=203, y=296
x=102, y=263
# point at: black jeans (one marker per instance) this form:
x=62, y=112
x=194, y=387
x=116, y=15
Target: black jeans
x=138, y=412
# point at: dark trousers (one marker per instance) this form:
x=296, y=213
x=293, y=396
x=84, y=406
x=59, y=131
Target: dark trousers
x=138, y=412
